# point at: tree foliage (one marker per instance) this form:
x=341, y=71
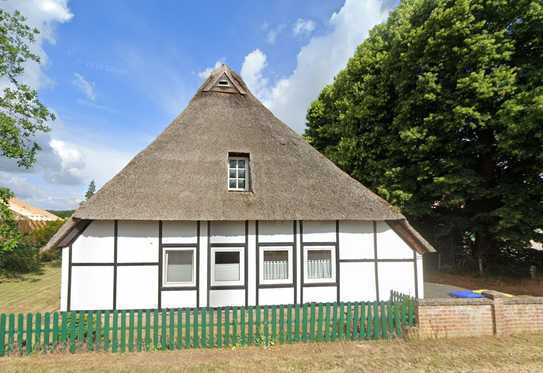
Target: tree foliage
x=91, y=190
x=22, y=116
x=440, y=111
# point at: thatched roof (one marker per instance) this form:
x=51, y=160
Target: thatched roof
x=182, y=175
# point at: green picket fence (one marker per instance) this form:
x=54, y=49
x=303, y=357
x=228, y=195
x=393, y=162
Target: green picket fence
x=171, y=329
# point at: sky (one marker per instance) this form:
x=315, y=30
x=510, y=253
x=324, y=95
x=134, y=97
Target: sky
x=116, y=73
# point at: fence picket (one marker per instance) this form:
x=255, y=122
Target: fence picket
x=29, y=333
x=266, y=325
x=204, y=328
x=281, y=324
x=250, y=326
x=46, y=331
x=172, y=329
x=242, y=315
x=179, y=328
x=304, y=322
x=341, y=324
x=211, y=339
x=37, y=333
x=274, y=323
x=11, y=332
x=187, y=327
x=235, y=326
x=219, y=327
x=2, y=334
x=258, y=332
x=334, y=321
x=376, y=326
x=114, y=331
x=130, y=331
x=140, y=331
x=297, y=322
x=105, y=330
x=73, y=331
x=226, y=326
x=195, y=331
x=289, y=323
x=348, y=328
x=20, y=330
x=163, y=324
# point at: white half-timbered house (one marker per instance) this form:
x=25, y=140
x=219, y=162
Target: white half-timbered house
x=229, y=206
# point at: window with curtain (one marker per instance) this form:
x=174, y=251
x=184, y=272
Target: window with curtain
x=319, y=264
x=179, y=266
x=275, y=265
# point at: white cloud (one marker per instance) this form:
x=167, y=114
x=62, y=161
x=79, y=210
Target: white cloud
x=204, y=74
x=85, y=86
x=43, y=15
x=317, y=62
x=303, y=27
x=251, y=72
x=273, y=33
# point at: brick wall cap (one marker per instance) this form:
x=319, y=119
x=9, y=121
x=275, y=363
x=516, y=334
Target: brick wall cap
x=523, y=299
x=453, y=302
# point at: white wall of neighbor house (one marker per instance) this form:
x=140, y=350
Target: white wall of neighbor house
x=91, y=286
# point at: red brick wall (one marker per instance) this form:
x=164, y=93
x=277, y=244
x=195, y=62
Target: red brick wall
x=441, y=318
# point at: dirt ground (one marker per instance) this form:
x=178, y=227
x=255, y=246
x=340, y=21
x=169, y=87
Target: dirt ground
x=489, y=354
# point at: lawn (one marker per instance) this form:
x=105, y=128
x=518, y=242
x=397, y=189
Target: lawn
x=516, y=286
x=33, y=292
x=488, y=354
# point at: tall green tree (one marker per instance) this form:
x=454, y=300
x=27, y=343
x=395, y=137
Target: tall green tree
x=91, y=190
x=440, y=111
x=22, y=115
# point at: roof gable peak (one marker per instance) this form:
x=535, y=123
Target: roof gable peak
x=222, y=79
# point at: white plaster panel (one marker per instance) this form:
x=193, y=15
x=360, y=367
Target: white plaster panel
x=137, y=241
x=227, y=232
x=357, y=282
x=179, y=232
x=222, y=298
x=137, y=287
x=92, y=288
x=95, y=244
x=178, y=299
x=356, y=240
x=251, y=257
x=420, y=274
x=390, y=245
x=64, y=278
x=320, y=294
x=276, y=296
x=203, y=266
x=275, y=231
x=398, y=276
x=319, y=231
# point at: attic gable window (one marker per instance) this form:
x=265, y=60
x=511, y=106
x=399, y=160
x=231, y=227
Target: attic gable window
x=238, y=173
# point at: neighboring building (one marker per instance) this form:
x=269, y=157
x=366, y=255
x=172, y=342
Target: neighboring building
x=29, y=217
x=229, y=206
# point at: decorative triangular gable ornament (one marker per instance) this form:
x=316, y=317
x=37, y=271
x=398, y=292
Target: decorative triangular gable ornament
x=224, y=82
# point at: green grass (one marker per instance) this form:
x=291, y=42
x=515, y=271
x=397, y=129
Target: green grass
x=33, y=292
x=485, y=354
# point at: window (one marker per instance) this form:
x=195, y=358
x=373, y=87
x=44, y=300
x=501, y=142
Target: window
x=227, y=266
x=320, y=264
x=276, y=265
x=179, y=268
x=238, y=173
x=223, y=82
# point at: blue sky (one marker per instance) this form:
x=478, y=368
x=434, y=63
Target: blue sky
x=117, y=72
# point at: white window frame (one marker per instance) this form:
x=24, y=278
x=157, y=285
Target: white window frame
x=241, y=281
x=289, y=279
x=247, y=173
x=165, y=282
x=332, y=250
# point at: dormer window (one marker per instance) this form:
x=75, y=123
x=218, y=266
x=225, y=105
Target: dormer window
x=238, y=173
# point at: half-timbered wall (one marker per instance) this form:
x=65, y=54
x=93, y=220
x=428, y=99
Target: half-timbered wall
x=119, y=264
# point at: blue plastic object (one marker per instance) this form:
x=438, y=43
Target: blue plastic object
x=464, y=294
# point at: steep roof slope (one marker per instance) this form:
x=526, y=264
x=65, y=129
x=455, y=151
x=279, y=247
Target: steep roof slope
x=182, y=175
x=24, y=210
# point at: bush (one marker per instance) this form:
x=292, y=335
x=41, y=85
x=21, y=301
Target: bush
x=23, y=258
